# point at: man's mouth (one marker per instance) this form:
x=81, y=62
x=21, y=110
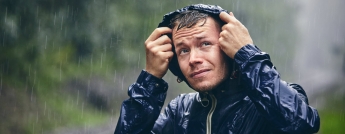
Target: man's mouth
x=199, y=73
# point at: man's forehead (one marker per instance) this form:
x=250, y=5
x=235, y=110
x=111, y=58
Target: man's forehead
x=180, y=42
x=196, y=31
x=188, y=33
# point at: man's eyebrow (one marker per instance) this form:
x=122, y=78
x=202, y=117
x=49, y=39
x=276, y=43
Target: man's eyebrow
x=197, y=37
x=179, y=44
x=200, y=37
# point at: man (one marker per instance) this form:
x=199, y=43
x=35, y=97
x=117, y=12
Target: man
x=238, y=90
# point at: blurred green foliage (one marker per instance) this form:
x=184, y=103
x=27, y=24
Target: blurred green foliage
x=333, y=113
x=52, y=52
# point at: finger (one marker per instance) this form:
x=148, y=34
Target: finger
x=229, y=27
x=166, y=47
x=158, y=42
x=163, y=40
x=224, y=34
x=163, y=48
x=225, y=17
x=166, y=55
x=158, y=32
x=232, y=14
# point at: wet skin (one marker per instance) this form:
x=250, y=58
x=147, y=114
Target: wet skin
x=199, y=55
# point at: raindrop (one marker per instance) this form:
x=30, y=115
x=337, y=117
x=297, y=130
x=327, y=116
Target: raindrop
x=3, y=39
x=45, y=46
x=101, y=60
x=6, y=15
x=88, y=89
x=54, y=18
x=123, y=78
x=111, y=42
x=115, y=76
x=101, y=112
x=0, y=84
x=138, y=61
x=60, y=70
x=48, y=115
x=45, y=107
x=32, y=89
x=61, y=23
x=67, y=11
x=79, y=61
x=107, y=69
x=39, y=25
x=12, y=30
x=82, y=110
x=127, y=57
x=37, y=117
x=65, y=31
x=112, y=115
x=78, y=98
x=76, y=25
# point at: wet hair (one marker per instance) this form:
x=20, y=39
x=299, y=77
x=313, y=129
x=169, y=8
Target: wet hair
x=188, y=19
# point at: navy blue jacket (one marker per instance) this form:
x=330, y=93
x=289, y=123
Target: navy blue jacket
x=262, y=103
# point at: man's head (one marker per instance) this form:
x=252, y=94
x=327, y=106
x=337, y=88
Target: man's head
x=203, y=65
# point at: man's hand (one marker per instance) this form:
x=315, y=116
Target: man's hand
x=158, y=52
x=234, y=35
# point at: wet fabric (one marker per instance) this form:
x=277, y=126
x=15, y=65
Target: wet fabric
x=261, y=103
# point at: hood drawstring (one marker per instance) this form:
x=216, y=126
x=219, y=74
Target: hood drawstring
x=203, y=100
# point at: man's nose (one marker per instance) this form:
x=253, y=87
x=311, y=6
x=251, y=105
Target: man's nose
x=195, y=57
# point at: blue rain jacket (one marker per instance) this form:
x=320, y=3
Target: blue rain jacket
x=262, y=103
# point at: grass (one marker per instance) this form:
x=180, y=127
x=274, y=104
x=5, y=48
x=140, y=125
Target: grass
x=332, y=115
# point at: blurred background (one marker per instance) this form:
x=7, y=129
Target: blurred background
x=65, y=65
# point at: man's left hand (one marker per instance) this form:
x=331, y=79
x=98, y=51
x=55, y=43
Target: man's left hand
x=234, y=35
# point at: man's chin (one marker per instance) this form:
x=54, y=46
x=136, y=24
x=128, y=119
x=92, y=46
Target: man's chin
x=203, y=87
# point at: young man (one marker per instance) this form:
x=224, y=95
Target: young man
x=238, y=88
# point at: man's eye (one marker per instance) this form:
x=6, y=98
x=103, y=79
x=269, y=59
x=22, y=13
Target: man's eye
x=183, y=51
x=206, y=43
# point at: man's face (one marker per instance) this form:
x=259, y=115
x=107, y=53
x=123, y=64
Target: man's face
x=200, y=58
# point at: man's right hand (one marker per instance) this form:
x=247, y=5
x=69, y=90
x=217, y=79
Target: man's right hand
x=158, y=52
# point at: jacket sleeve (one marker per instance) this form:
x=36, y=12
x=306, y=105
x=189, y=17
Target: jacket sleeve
x=284, y=105
x=140, y=111
x=165, y=121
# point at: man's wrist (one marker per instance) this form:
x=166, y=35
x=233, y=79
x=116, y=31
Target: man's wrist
x=149, y=81
x=153, y=74
x=245, y=53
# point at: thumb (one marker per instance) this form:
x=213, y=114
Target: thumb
x=225, y=17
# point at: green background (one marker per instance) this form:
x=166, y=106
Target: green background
x=65, y=65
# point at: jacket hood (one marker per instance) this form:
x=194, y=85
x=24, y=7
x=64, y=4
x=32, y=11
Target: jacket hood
x=211, y=10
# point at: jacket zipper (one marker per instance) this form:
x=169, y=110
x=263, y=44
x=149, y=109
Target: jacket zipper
x=210, y=113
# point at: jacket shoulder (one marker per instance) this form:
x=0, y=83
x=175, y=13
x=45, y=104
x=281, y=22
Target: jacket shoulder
x=183, y=101
x=186, y=98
